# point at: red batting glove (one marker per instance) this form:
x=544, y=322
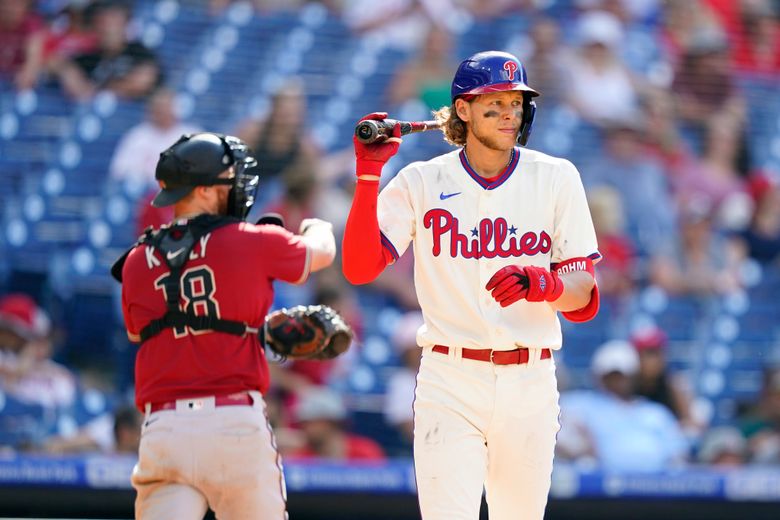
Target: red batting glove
x=372, y=157
x=534, y=284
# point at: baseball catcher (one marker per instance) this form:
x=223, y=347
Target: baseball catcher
x=195, y=295
x=307, y=332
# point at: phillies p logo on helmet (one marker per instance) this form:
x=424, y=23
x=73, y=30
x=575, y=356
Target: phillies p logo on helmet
x=510, y=67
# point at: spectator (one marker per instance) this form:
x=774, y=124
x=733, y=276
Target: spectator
x=127, y=429
x=95, y=435
x=126, y=68
x=69, y=34
x=34, y=388
x=597, y=68
x=662, y=137
x=618, y=269
x=627, y=11
x=217, y=7
x=280, y=139
x=626, y=166
x=724, y=446
x=613, y=426
x=288, y=439
x=682, y=21
x=761, y=424
x=321, y=416
x=714, y=175
x=703, y=263
x=136, y=155
x=761, y=238
x=757, y=49
x=115, y=431
x=301, y=193
x=21, y=43
x=401, y=24
x=27, y=370
x=424, y=82
x=399, y=397
x=704, y=86
x=545, y=58
x=656, y=383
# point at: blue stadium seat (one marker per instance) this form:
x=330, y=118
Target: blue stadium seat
x=176, y=53
x=373, y=425
x=681, y=319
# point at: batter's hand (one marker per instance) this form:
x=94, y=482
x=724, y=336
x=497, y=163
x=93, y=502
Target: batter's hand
x=372, y=157
x=531, y=283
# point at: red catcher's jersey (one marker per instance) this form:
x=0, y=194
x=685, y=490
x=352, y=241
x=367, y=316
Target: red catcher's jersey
x=229, y=273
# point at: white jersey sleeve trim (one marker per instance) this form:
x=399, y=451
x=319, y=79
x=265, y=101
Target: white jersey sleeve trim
x=389, y=246
x=306, y=268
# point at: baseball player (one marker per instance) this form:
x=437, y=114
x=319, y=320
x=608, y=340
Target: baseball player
x=194, y=295
x=503, y=240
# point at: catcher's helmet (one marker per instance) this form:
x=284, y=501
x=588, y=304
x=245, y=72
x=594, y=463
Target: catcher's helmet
x=198, y=160
x=496, y=71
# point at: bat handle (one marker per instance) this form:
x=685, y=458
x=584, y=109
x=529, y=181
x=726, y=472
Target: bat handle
x=370, y=130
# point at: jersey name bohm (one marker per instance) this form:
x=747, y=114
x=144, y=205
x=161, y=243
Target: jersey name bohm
x=580, y=265
x=491, y=238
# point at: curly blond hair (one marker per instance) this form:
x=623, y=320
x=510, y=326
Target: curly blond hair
x=453, y=127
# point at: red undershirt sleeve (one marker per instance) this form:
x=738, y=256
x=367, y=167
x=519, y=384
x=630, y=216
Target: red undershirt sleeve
x=363, y=255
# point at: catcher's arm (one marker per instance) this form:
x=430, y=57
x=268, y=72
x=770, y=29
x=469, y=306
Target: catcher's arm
x=318, y=236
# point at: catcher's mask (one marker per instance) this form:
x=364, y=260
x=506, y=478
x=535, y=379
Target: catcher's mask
x=199, y=160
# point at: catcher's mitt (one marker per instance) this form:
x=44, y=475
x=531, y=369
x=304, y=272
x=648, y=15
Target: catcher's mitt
x=307, y=332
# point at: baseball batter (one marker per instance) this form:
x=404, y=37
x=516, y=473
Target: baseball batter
x=194, y=295
x=502, y=240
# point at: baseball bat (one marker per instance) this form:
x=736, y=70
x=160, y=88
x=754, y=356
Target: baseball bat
x=371, y=130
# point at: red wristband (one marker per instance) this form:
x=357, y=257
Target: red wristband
x=369, y=167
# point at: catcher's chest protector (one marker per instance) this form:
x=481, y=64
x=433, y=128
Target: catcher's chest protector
x=175, y=242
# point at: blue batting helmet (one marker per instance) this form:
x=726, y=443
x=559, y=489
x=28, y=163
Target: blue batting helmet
x=496, y=71
x=491, y=71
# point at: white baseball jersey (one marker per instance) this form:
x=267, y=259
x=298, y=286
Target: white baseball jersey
x=465, y=228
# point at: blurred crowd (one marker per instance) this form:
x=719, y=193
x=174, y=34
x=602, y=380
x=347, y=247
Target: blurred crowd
x=678, y=200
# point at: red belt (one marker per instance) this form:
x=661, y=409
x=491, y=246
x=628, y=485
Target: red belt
x=237, y=399
x=517, y=356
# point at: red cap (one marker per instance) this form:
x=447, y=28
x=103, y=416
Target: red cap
x=20, y=314
x=648, y=338
x=759, y=185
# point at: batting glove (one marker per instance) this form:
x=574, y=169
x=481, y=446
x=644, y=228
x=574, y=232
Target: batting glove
x=372, y=157
x=531, y=283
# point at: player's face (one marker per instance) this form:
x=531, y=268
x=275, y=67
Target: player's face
x=494, y=119
x=223, y=192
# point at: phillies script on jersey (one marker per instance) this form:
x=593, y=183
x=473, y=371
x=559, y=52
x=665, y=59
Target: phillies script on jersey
x=465, y=228
x=490, y=239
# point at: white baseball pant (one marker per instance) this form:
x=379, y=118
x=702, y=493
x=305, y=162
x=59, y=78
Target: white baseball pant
x=482, y=424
